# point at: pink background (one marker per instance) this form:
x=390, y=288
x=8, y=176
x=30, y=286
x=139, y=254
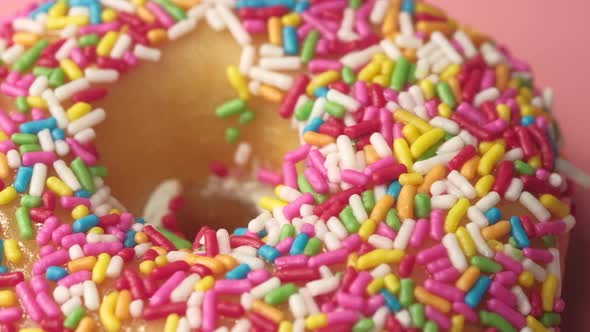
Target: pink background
x=550, y=35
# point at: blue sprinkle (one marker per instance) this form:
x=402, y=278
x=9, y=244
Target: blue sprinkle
x=95, y=13
x=54, y=273
x=301, y=6
x=240, y=231
x=262, y=233
x=527, y=120
x=474, y=296
x=58, y=134
x=394, y=189
x=290, y=43
x=313, y=125
x=34, y=127
x=3, y=269
x=493, y=215
x=269, y=253
x=82, y=193
x=518, y=233
x=85, y=223
x=409, y=6
x=322, y=91
x=239, y=272
x=265, y=3
x=299, y=244
x=129, y=239
x=22, y=179
x=392, y=303
x=140, y=220
x=44, y=8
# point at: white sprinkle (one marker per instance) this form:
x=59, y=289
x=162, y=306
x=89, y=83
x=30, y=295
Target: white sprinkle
x=534, y=206
x=480, y=243
x=344, y=100
x=121, y=46
x=310, y=304
x=115, y=267
x=297, y=306
x=444, y=202
x=182, y=292
x=12, y=53
x=61, y=294
x=223, y=241
x=523, y=304
x=448, y=125
x=281, y=81
x=88, y=120
x=477, y=217
x=463, y=184
x=247, y=59
x=242, y=325
x=55, y=108
x=13, y=158
x=456, y=256
x=488, y=201
x=136, y=308
x=514, y=154
x=45, y=140
x=91, y=299
x=570, y=222
x=147, y=53
x=75, y=252
x=39, y=85
x=404, y=318
x=378, y=11
x=96, y=75
x=38, y=180
x=489, y=94
x=233, y=24
x=463, y=39
x=85, y=136
x=571, y=171
x=514, y=190
x=67, y=90
x=182, y=28
x=538, y=271
x=403, y=235
x=380, y=242
x=322, y=286
x=359, y=58
x=27, y=25
x=66, y=175
x=120, y=5
x=446, y=47
x=71, y=305
x=281, y=63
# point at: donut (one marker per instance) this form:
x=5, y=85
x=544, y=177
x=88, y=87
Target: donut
x=321, y=165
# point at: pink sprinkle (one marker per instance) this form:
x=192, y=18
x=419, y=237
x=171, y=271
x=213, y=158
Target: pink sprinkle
x=317, y=161
x=441, y=319
x=321, y=65
x=498, y=291
x=43, y=157
x=446, y=291
x=18, y=117
x=12, y=90
x=290, y=174
x=39, y=284
x=166, y=20
x=285, y=245
x=541, y=256
x=373, y=304
x=78, y=149
x=268, y=176
x=291, y=261
x=514, y=317
x=7, y=124
x=94, y=249
x=75, y=278
x=508, y=262
x=162, y=295
x=254, y=26
x=343, y=317
x=72, y=239
x=329, y=258
x=13, y=77
x=550, y=228
x=27, y=298
x=209, y=311
x=466, y=311
x=431, y=254
x=232, y=287
x=47, y=304
x=46, y=250
x=317, y=181
x=449, y=274
x=7, y=146
x=380, y=164
x=437, y=220
x=350, y=301
x=259, y=276
x=70, y=202
x=352, y=242
x=322, y=28
x=298, y=154
x=100, y=28
x=359, y=285
x=398, y=128
x=38, y=114
x=353, y=177
x=506, y=278
x=10, y=315
x=384, y=230
x=386, y=125
x=58, y=258
x=420, y=233
x=361, y=93
x=60, y=232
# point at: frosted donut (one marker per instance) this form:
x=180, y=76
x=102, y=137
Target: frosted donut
x=369, y=166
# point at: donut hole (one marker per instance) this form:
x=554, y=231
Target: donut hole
x=161, y=125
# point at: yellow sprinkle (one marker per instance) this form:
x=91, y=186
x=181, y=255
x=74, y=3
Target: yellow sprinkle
x=238, y=82
x=205, y=284
x=3, y=136
x=161, y=260
x=458, y=322
x=466, y=242
x=392, y=283
x=548, y=291
x=7, y=298
x=7, y=195
x=535, y=162
x=402, y=153
x=73, y=72
x=484, y=185
x=99, y=271
x=375, y=286
x=12, y=251
x=146, y=267
x=213, y=264
x=109, y=15
x=409, y=118
x=526, y=279
x=316, y=321
x=5, y=170
x=450, y=71
x=415, y=179
x=269, y=203
x=535, y=325
x=369, y=71
x=31, y=329
x=456, y=214
x=57, y=186
x=80, y=211
x=490, y=158
x=171, y=323
x=496, y=245
x=367, y=229
x=411, y=133
x=107, y=313
x=504, y=112
x=285, y=326
x=387, y=67
x=96, y=230
x=444, y=110
x=59, y=9
x=379, y=256
x=78, y=110
x=352, y=259
x=322, y=79
x=557, y=208
x=292, y=19
x=105, y=45
x=381, y=80
x=37, y=102
x=428, y=89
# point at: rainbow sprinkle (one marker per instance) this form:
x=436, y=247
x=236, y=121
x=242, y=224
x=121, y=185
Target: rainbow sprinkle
x=417, y=134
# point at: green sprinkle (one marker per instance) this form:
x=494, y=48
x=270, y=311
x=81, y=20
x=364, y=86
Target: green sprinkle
x=392, y=220
x=406, y=292
x=302, y=112
x=100, y=171
x=28, y=59
x=523, y=168
x=549, y=241
x=514, y=252
x=365, y=324
x=368, y=198
x=57, y=78
x=355, y=4
x=22, y=105
x=496, y=321
x=551, y=319
x=232, y=134
x=305, y=187
x=400, y=74
x=74, y=318
x=177, y=13
x=83, y=174
x=422, y=205
x=246, y=117
x=335, y=109
x=430, y=326
x=29, y=148
x=418, y=315
x=348, y=75
x=348, y=220
x=309, y=45
x=20, y=138
x=42, y=71
x=444, y=92
x=30, y=202
x=287, y=230
x=176, y=240
x=412, y=74
x=313, y=247
x=230, y=108
x=88, y=40
x=25, y=225
x=485, y=264
x=281, y=294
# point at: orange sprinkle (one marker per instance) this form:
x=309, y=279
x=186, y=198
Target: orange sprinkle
x=431, y=26
x=145, y=15
x=456, y=88
x=4, y=169
x=25, y=38
x=82, y=264
x=390, y=21
x=405, y=202
x=435, y=174
x=371, y=155
x=122, y=306
x=496, y=230
x=502, y=76
x=141, y=237
x=228, y=261
x=318, y=139
x=157, y=36
x=271, y=94
x=275, y=36
x=186, y=4
x=428, y=298
x=267, y=311
x=468, y=278
x=213, y=264
x=469, y=169
x=87, y=324
x=383, y=205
